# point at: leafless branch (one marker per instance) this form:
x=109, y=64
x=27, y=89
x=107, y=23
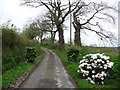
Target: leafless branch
x=106, y=37
x=97, y=11
x=110, y=16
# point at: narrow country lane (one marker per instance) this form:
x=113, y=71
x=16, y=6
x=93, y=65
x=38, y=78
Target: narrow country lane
x=50, y=73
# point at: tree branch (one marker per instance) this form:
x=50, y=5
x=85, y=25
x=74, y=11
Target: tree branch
x=69, y=11
x=98, y=33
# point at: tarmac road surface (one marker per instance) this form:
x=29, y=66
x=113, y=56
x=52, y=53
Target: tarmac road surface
x=50, y=73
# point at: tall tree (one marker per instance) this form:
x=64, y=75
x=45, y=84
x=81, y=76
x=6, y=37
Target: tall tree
x=51, y=26
x=89, y=16
x=43, y=27
x=48, y=18
x=30, y=31
x=58, y=10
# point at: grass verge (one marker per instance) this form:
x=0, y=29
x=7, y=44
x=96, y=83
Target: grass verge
x=11, y=76
x=72, y=68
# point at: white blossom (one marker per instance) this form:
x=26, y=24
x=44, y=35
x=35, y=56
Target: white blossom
x=105, y=67
x=93, y=63
x=83, y=75
x=102, y=82
x=93, y=76
x=93, y=71
x=89, y=67
x=89, y=78
x=107, y=61
x=78, y=71
x=91, y=81
x=101, y=67
x=103, y=62
x=94, y=56
x=106, y=57
x=95, y=66
x=82, y=61
x=99, y=60
x=110, y=64
x=102, y=78
x=84, y=57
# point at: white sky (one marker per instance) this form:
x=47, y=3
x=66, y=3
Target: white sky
x=11, y=9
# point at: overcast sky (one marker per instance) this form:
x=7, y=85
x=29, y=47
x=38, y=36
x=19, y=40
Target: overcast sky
x=19, y=15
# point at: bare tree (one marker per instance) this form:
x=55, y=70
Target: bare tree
x=51, y=24
x=88, y=16
x=42, y=28
x=58, y=10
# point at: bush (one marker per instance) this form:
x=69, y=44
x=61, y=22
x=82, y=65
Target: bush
x=115, y=74
x=72, y=54
x=30, y=54
x=8, y=63
x=9, y=38
x=6, y=67
x=95, y=68
x=13, y=48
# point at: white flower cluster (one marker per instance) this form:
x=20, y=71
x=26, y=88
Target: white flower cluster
x=94, y=67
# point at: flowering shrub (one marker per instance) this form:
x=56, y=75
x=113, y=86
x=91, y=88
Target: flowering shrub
x=95, y=67
x=30, y=54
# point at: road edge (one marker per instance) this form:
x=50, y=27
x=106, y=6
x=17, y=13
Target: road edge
x=67, y=71
x=25, y=76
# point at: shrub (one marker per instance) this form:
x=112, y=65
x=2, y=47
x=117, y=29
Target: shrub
x=13, y=48
x=95, y=68
x=30, y=54
x=72, y=54
x=9, y=38
x=115, y=74
x=8, y=66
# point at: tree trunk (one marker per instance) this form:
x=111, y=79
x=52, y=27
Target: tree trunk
x=52, y=40
x=41, y=38
x=53, y=37
x=77, y=26
x=61, y=35
x=77, y=39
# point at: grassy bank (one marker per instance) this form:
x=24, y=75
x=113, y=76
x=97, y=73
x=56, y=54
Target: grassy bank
x=14, y=47
x=11, y=75
x=72, y=67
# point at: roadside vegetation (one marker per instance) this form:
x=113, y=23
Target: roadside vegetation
x=72, y=66
x=16, y=60
x=14, y=48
